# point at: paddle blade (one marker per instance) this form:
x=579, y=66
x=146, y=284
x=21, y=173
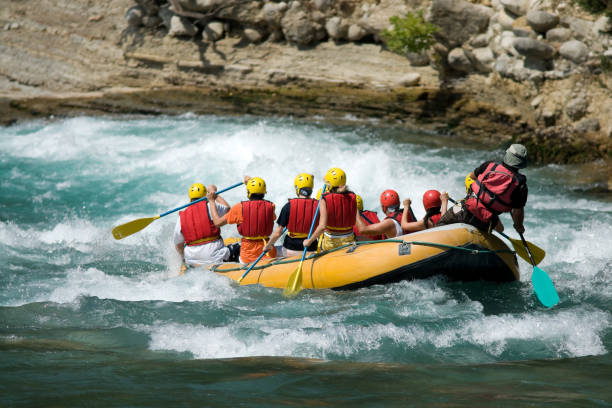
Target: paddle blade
x=537, y=252
x=544, y=287
x=294, y=283
x=131, y=227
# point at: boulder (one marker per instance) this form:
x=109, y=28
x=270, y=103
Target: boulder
x=484, y=55
x=273, y=13
x=134, y=16
x=505, y=20
x=355, y=33
x=541, y=21
x=459, y=61
x=533, y=48
x=336, y=28
x=418, y=59
x=588, y=125
x=558, y=34
x=582, y=29
x=521, y=29
x=181, y=27
x=376, y=19
x=297, y=27
x=602, y=25
x=576, y=108
x=481, y=40
x=202, y=6
x=252, y=35
x=410, y=79
x=516, y=7
x=213, y=31
x=575, y=51
x=459, y=20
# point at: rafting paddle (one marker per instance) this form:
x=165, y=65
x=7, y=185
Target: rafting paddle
x=542, y=284
x=520, y=249
x=129, y=228
x=294, y=283
x=255, y=263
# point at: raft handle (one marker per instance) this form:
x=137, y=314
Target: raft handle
x=405, y=248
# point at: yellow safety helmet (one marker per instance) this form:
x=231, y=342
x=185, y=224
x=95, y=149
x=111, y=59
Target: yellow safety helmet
x=255, y=185
x=336, y=177
x=468, y=183
x=359, y=202
x=197, y=190
x=303, y=180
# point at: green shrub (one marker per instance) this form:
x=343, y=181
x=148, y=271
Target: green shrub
x=596, y=6
x=409, y=34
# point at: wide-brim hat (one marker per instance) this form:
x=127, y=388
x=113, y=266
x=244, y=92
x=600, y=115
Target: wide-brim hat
x=516, y=156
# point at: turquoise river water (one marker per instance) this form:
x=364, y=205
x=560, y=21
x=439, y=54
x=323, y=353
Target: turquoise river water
x=86, y=320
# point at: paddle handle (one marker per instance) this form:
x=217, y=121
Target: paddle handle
x=198, y=200
x=528, y=250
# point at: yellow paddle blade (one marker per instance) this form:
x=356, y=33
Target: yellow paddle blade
x=294, y=283
x=131, y=227
x=537, y=252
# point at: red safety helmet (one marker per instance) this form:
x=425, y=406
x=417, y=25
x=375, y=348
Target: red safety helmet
x=389, y=198
x=431, y=199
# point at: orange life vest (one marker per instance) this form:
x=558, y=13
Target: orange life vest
x=341, y=212
x=492, y=192
x=301, y=213
x=257, y=219
x=197, y=226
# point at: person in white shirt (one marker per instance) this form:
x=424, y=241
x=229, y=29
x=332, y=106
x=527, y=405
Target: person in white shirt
x=196, y=237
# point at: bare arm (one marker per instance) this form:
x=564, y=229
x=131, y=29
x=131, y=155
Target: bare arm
x=322, y=224
x=405, y=224
x=214, y=214
x=386, y=227
x=444, y=199
x=274, y=237
x=518, y=215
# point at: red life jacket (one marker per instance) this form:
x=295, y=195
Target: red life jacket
x=257, y=219
x=341, y=211
x=434, y=219
x=397, y=216
x=370, y=218
x=492, y=192
x=301, y=213
x=197, y=226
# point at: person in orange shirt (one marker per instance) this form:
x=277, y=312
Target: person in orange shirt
x=254, y=218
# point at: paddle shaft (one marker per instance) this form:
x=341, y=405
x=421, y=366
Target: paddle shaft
x=526, y=247
x=257, y=260
x=198, y=200
x=292, y=282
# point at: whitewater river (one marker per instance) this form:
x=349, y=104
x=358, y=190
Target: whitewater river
x=86, y=320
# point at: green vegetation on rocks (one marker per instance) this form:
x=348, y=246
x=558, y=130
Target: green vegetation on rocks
x=409, y=34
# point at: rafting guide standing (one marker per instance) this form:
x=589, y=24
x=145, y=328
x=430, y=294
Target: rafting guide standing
x=496, y=188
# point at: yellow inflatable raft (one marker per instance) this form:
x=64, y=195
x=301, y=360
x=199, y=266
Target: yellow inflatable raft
x=458, y=251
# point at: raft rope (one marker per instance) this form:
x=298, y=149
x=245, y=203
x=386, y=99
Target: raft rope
x=358, y=243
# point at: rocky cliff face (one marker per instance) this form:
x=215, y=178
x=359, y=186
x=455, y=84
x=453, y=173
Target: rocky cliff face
x=534, y=71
